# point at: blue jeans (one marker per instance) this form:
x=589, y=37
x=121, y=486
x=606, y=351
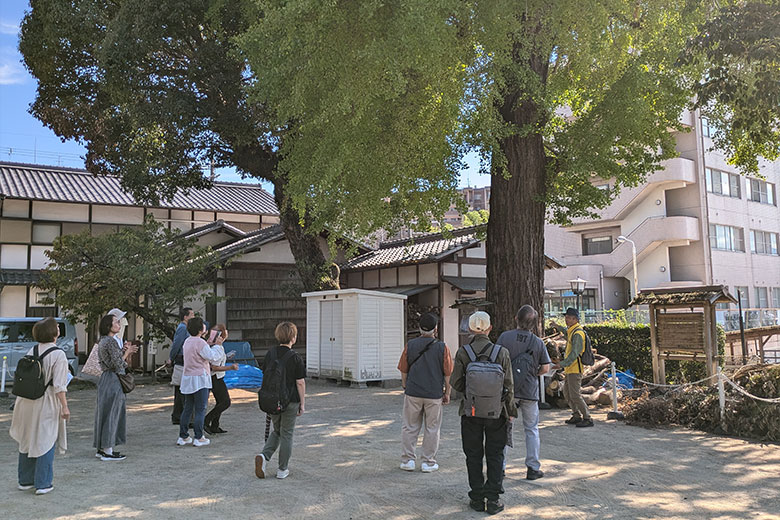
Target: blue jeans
x=529, y=411
x=38, y=471
x=196, y=403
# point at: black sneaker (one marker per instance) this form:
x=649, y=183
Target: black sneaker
x=494, y=506
x=573, y=420
x=533, y=474
x=208, y=430
x=112, y=456
x=585, y=423
x=217, y=430
x=477, y=505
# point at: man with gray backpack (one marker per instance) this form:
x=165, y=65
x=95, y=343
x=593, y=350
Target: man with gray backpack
x=529, y=361
x=483, y=373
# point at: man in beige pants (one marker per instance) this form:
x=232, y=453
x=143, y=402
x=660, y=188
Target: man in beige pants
x=426, y=366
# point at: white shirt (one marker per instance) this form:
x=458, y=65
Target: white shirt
x=221, y=361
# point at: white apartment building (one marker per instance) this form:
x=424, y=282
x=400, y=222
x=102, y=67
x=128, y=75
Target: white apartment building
x=697, y=221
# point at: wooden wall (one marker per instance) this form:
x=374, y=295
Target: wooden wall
x=259, y=296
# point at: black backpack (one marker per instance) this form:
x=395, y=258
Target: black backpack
x=29, y=379
x=587, y=356
x=525, y=369
x=273, y=396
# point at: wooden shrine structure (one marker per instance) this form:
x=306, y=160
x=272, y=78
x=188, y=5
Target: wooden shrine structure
x=683, y=326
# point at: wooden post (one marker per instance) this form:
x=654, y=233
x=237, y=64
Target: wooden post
x=659, y=370
x=710, y=341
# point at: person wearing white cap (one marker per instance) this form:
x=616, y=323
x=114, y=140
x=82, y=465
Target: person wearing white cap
x=120, y=315
x=484, y=436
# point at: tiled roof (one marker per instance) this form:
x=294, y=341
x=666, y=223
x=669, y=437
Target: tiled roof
x=250, y=241
x=56, y=184
x=19, y=276
x=216, y=226
x=428, y=248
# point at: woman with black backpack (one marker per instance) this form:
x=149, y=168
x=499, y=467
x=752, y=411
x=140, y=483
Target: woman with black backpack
x=38, y=424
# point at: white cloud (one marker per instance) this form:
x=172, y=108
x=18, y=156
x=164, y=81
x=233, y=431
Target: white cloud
x=12, y=74
x=9, y=28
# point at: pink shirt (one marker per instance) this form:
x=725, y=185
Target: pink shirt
x=198, y=356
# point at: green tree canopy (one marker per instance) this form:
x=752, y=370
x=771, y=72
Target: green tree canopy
x=147, y=270
x=476, y=217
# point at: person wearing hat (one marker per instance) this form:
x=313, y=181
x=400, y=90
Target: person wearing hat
x=484, y=438
x=119, y=336
x=426, y=366
x=573, y=368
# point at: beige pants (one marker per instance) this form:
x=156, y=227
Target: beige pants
x=571, y=390
x=417, y=410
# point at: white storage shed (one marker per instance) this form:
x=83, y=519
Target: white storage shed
x=354, y=334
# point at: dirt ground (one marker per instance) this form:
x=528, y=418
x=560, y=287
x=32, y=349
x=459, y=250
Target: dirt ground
x=345, y=466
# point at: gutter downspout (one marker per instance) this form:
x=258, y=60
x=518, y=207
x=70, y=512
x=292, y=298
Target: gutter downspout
x=601, y=287
x=705, y=224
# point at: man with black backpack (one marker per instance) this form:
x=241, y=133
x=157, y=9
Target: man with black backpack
x=573, y=366
x=282, y=396
x=425, y=366
x=483, y=373
x=529, y=361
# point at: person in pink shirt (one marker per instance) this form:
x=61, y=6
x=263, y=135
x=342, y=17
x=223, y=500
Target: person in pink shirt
x=196, y=382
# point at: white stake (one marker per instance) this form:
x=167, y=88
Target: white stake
x=722, y=399
x=614, y=414
x=2, y=381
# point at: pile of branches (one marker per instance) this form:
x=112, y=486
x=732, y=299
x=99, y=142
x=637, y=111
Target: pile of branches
x=594, y=377
x=698, y=406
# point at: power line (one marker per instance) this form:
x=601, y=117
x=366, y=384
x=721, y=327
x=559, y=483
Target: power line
x=25, y=154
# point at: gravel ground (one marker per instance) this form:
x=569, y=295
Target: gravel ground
x=345, y=466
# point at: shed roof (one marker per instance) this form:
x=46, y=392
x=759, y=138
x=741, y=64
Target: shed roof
x=58, y=184
x=684, y=295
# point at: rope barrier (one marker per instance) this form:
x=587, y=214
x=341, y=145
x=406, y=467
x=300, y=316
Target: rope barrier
x=667, y=386
x=748, y=394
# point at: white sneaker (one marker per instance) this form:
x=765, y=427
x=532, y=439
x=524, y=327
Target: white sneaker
x=183, y=442
x=429, y=468
x=203, y=441
x=44, y=490
x=260, y=464
x=282, y=473
x=25, y=488
x=408, y=466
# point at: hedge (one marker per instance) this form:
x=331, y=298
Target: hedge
x=628, y=345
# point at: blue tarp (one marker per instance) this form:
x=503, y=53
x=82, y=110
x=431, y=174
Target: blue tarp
x=243, y=351
x=245, y=377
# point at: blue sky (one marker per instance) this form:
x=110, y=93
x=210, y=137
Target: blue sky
x=24, y=139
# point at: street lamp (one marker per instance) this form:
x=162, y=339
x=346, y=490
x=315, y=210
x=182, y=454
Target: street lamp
x=622, y=239
x=578, y=287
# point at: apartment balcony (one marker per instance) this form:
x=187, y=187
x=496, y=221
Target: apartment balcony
x=648, y=236
x=677, y=173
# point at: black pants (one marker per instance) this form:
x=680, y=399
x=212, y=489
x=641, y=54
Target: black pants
x=222, y=396
x=178, y=405
x=483, y=438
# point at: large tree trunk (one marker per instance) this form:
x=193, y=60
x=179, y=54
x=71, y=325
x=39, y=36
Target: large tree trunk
x=313, y=268
x=515, y=242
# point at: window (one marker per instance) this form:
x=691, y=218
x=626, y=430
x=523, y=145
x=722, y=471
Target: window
x=707, y=129
x=762, y=297
x=763, y=242
x=741, y=293
x=4, y=331
x=562, y=299
x=596, y=245
x=776, y=297
x=722, y=183
x=727, y=238
x=760, y=191
x=603, y=187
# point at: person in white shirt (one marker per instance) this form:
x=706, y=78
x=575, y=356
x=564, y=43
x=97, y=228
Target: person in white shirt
x=218, y=387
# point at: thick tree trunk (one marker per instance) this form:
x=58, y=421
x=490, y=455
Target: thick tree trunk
x=515, y=242
x=313, y=267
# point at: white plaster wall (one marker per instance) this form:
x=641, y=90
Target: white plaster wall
x=38, y=258
x=272, y=253
x=429, y=274
x=647, y=208
x=448, y=327
x=16, y=208
x=13, y=301
x=476, y=252
x=473, y=271
x=450, y=269
x=354, y=280
x=159, y=214
x=239, y=217
x=117, y=215
x=60, y=211
x=407, y=275
x=16, y=231
x=13, y=256
x=204, y=216
x=370, y=279
x=649, y=272
x=388, y=278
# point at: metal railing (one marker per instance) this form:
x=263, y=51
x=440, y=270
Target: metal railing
x=608, y=315
x=729, y=319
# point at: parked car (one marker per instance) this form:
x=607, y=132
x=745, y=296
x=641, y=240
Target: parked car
x=16, y=340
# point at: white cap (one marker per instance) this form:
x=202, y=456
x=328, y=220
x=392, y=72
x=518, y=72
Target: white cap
x=479, y=321
x=118, y=313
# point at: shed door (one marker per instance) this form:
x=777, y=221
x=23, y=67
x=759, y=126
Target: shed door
x=331, y=337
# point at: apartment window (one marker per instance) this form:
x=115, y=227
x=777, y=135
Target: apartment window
x=596, y=245
x=762, y=297
x=707, y=129
x=760, y=191
x=722, y=183
x=741, y=293
x=776, y=297
x=763, y=242
x=727, y=238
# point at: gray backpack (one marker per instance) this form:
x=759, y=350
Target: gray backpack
x=484, y=384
